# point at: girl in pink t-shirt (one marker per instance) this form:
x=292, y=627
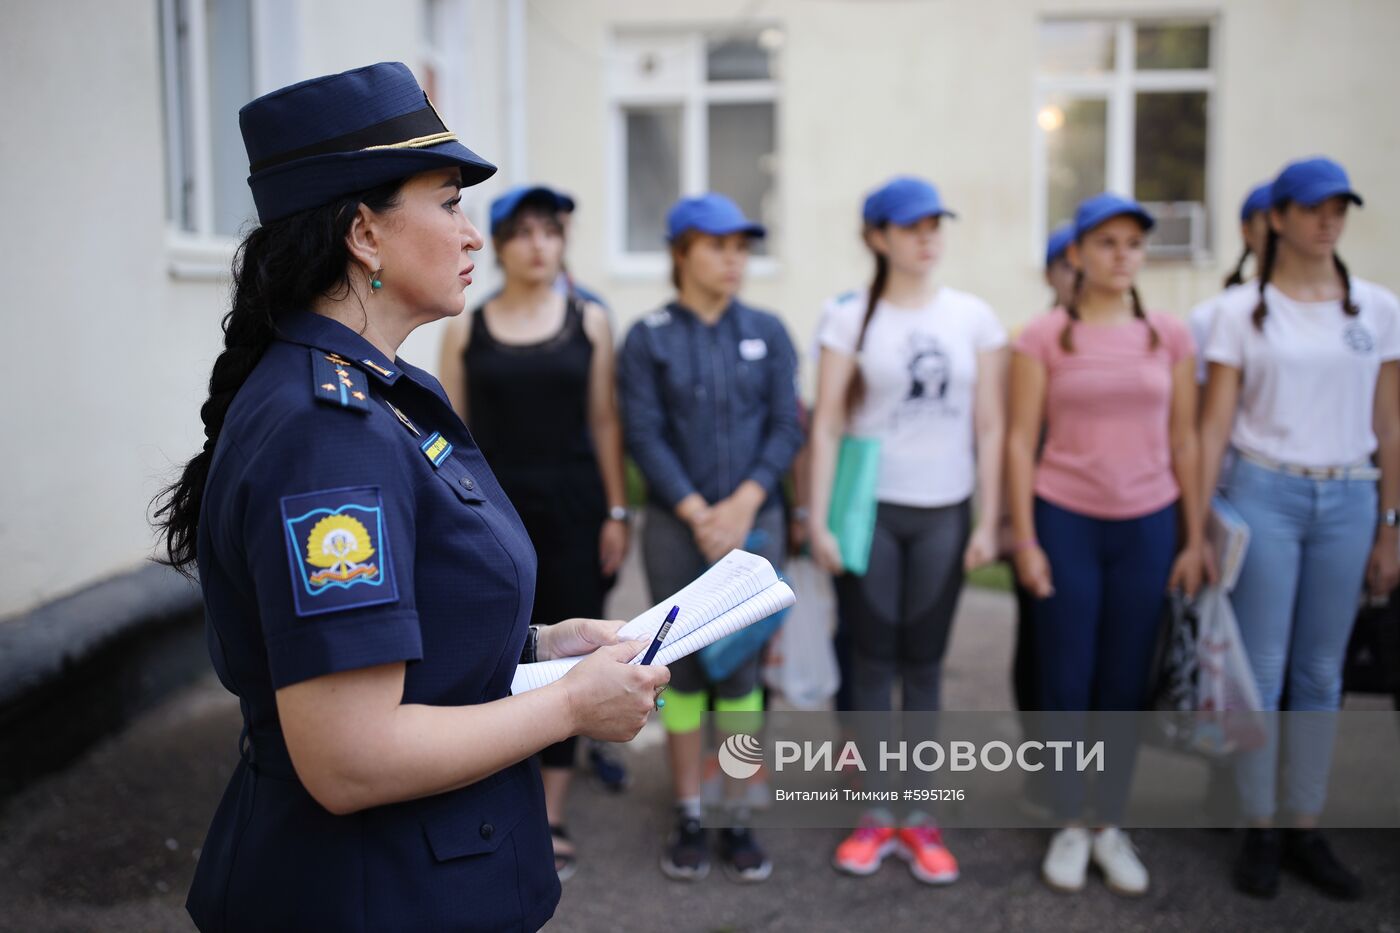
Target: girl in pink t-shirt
x=1096, y=519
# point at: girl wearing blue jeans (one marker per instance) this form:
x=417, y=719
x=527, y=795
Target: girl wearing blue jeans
x=1305, y=387
x=1096, y=516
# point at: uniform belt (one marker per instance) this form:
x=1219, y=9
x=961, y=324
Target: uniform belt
x=1361, y=470
x=267, y=755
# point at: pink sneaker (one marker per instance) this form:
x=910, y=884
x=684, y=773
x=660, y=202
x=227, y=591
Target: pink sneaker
x=929, y=859
x=863, y=851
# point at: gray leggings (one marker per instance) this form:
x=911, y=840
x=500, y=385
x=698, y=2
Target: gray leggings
x=901, y=611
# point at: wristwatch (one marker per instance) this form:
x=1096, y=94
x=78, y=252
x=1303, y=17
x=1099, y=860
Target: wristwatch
x=619, y=513
x=1390, y=518
x=531, y=652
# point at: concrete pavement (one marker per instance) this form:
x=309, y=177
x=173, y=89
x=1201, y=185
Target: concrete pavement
x=110, y=844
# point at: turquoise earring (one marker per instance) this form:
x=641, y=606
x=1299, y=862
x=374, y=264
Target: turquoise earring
x=374, y=283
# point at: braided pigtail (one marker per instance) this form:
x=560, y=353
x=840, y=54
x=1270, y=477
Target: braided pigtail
x=1266, y=269
x=279, y=267
x=1072, y=309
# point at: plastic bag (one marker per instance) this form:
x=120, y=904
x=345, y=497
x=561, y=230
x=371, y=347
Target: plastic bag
x=801, y=662
x=1229, y=712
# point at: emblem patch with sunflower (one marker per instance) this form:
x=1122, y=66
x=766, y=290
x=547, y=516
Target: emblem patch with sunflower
x=338, y=552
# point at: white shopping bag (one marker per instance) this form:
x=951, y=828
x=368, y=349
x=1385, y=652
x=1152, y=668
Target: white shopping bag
x=1227, y=697
x=801, y=661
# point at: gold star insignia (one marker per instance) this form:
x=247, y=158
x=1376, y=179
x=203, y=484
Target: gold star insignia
x=359, y=395
x=328, y=386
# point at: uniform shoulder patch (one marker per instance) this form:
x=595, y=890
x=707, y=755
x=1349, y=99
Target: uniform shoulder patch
x=658, y=318
x=338, y=550
x=337, y=381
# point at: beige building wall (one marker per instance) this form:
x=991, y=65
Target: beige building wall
x=109, y=351
x=945, y=88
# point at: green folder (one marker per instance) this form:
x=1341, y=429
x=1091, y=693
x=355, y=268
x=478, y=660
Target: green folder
x=853, y=502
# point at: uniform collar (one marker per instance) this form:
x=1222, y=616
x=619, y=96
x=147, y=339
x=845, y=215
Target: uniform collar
x=728, y=312
x=322, y=333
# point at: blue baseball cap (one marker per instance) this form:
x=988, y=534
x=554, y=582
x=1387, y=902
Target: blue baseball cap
x=1103, y=207
x=507, y=204
x=1311, y=181
x=902, y=201
x=1260, y=198
x=709, y=213
x=322, y=139
x=1058, y=241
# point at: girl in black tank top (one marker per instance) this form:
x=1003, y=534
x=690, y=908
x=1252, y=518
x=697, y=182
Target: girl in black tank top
x=542, y=409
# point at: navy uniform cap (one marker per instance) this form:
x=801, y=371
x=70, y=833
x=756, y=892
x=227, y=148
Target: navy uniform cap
x=327, y=137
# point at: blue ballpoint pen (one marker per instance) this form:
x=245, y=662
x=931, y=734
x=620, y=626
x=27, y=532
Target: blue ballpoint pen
x=660, y=635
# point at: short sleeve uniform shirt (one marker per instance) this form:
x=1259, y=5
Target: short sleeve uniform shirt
x=349, y=520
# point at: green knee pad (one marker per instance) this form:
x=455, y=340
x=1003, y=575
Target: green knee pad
x=682, y=711
x=741, y=714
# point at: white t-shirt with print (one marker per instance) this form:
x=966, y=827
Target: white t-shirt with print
x=1309, y=379
x=920, y=372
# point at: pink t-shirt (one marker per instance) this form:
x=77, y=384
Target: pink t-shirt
x=1107, y=447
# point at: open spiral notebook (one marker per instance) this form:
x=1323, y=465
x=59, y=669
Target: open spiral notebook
x=739, y=590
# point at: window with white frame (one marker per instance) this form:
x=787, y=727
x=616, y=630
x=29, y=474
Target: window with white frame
x=216, y=55
x=1124, y=105
x=690, y=113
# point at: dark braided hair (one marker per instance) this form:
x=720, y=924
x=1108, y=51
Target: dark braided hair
x=1237, y=277
x=279, y=267
x=1072, y=309
x=855, y=389
x=1266, y=270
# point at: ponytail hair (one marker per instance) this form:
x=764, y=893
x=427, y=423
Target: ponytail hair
x=1266, y=270
x=1154, y=340
x=1237, y=277
x=855, y=389
x=279, y=267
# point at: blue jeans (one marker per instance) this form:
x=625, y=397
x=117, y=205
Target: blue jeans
x=1295, y=602
x=1094, y=638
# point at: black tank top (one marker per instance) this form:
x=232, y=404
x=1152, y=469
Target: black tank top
x=528, y=411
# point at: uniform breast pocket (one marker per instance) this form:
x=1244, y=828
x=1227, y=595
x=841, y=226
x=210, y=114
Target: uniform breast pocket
x=751, y=380
x=679, y=386
x=460, y=480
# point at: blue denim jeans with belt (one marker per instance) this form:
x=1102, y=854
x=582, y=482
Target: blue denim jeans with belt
x=1295, y=601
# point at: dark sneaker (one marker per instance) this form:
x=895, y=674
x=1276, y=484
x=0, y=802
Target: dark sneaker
x=1307, y=854
x=744, y=859
x=1257, y=865
x=687, y=855
x=607, y=769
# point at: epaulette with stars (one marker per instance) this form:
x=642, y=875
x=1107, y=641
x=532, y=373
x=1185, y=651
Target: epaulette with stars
x=337, y=381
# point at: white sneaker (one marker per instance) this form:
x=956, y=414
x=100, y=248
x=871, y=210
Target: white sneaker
x=1116, y=857
x=1067, y=860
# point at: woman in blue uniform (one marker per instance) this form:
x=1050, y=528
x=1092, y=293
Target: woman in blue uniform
x=367, y=584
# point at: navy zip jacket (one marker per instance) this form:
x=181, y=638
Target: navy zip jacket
x=706, y=407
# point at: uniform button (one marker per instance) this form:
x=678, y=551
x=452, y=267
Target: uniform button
x=467, y=482
x=486, y=830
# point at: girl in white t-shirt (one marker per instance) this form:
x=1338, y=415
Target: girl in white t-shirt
x=1304, y=384
x=922, y=368
x=1254, y=230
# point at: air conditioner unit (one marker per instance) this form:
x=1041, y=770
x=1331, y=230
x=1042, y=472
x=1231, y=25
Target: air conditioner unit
x=1180, y=232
